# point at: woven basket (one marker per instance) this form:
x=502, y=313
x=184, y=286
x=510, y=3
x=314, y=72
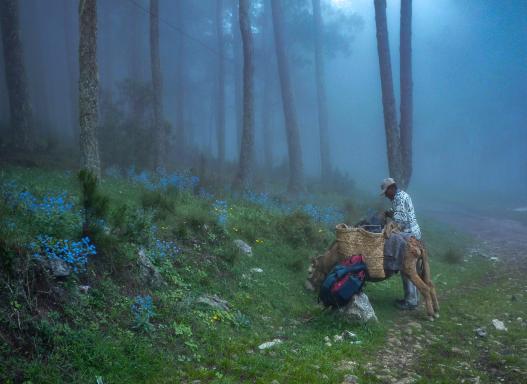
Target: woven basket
x=357, y=241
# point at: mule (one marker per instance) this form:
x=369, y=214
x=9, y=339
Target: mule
x=415, y=266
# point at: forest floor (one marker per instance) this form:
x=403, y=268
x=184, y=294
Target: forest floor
x=107, y=325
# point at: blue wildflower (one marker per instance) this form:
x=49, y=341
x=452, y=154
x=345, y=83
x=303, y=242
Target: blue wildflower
x=73, y=253
x=143, y=310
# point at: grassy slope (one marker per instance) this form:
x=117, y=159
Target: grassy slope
x=93, y=335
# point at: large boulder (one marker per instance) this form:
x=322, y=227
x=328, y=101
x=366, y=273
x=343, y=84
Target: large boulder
x=148, y=273
x=360, y=309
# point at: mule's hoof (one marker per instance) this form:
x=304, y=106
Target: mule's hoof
x=431, y=318
x=436, y=315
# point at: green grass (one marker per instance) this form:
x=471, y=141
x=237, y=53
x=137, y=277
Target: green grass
x=90, y=335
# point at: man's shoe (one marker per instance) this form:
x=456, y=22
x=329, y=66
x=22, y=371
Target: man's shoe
x=399, y=301
x=405, y=306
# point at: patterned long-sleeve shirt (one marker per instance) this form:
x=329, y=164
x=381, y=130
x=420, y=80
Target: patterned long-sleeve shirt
x=404, y=214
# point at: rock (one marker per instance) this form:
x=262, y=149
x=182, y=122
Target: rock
x=494, y=259
x=214, y=301
x=59, y=268
x=360, y=309
x=269, y=344
x=257, y=270
x=148, y=273
x=244, y=247
x=350, y=379
x=338, y=338
x=456, y=351
x=347, y=365
x=499, y=325
x=309, y=286
x=84, y=288
x=481, y=332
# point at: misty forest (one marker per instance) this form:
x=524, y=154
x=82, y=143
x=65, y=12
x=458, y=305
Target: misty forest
x=263, y=191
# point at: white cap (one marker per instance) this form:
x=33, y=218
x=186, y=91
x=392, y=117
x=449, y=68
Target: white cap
x=386, y=183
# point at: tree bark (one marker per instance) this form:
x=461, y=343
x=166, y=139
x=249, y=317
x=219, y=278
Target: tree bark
x=325, y=162
x=388, y=99
x=180, y=88
x=247, y=142
x=296, y=178
x=406, y=124
x=220, y=102
x=88, y=86
x=20, y=109
x=160, y=132
x=266, y=120
x=267, y=88
x=71, y=68
x=237, y=74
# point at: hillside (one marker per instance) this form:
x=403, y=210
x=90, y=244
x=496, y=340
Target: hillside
x=131, y=305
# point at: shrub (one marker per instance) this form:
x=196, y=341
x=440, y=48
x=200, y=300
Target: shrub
x=299, y=230
x=95, y=205
x=453, y=256
x=157, y=201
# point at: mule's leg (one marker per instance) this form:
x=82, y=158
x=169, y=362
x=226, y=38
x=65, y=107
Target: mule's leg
x=410, y=271
x=428, y=280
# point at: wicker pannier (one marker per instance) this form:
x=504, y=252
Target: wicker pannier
x=358, y=241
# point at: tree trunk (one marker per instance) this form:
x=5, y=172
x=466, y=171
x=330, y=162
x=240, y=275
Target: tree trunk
x=267, y=86
x=296, y=182
x=88, y=86
x=266, y=118
x=71, y=69
x=406, y=124
x=160, y=132
x=237, y=73
x=180, y=88
x=247, y=142
x=136, y=55
x=325, y=162
x=220, y=102
x=388, y=99
x=16, y=80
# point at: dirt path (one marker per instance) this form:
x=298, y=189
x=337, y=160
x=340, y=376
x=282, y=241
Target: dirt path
x=500, y=237
x=503, y=237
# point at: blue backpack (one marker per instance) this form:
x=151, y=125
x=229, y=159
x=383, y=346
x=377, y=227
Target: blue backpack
x=342, y=282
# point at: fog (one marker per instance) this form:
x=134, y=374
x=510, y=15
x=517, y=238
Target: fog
x=469, y=85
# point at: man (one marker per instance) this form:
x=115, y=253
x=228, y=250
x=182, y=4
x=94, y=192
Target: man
x=404, y=215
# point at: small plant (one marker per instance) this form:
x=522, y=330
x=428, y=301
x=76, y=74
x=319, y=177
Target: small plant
x=221, y=210
x=182, y=330
x=143, y=311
